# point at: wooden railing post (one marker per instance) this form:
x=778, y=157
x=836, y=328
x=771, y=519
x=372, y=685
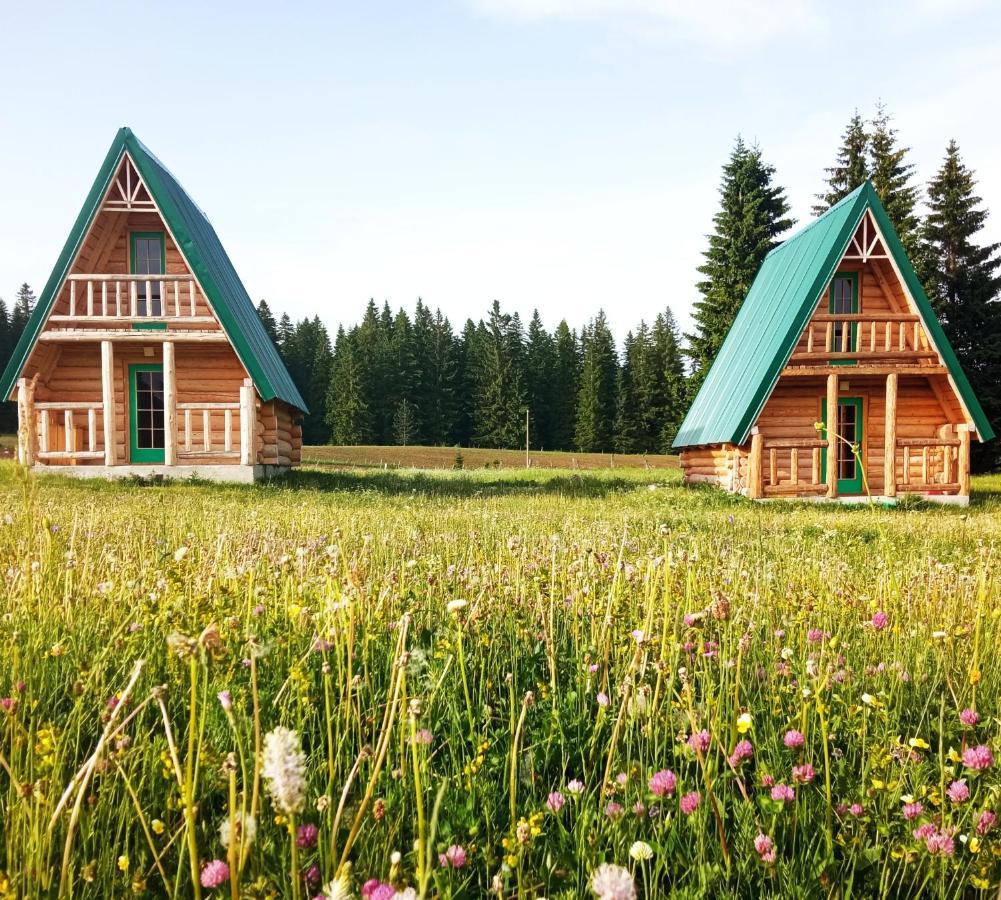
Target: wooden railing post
x=248, y=423
x=832, y=436
x=754, y=487
x=26, y=421
x=169, y=403
x=890, y=438
x=108, y=400
x=964, y=460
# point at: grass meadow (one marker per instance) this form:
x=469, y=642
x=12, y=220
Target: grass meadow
x=391, y=683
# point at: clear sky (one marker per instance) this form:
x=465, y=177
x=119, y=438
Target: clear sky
x=558, y=154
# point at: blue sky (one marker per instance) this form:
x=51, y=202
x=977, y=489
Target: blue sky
x=559, y=154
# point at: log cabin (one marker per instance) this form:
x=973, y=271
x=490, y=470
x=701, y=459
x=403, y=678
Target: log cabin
x=144, y=354
x=835, y=380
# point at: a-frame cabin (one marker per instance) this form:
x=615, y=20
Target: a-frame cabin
x=836, y=379
x=144, y=354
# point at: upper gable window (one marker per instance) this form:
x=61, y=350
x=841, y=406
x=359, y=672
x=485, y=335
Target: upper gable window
x=844, y=295
x=148, y=259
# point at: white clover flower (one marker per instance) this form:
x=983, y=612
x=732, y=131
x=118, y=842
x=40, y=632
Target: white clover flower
x=338, y=889
x=455, y=605
x=787, y=653
x=611, y=882
x=245, y=826
x=284, y=770
x=641, y=851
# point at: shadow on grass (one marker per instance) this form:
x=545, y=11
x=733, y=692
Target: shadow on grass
x=407, y=483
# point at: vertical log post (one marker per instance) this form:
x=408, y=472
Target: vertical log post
x=248, y=423
x=890, y=438
x=754, y=491
x=26, y=421
x=964, y=460
x=832, y=436
x=169, y=405
x=108, y=400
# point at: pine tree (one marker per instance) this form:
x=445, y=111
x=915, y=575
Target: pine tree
x=372, y=352
x=596, y=399
x=566, y=378
x=500, y=386
x=436, y=358
x=284, y=332
x=402, y=377
x=540, y=366
x=852, y=167
x=673, y=392
x=752, y=215
x=962, y=280
x=268, y=320
x=308, y=356
x=891, y=177
x=466, y=380
x=8, y=411
x=629, y=436
x=347, y=411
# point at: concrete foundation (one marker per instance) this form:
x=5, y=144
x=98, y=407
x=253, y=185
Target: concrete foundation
x=232, y=474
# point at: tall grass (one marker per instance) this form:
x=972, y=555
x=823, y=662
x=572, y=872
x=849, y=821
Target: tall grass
x=485, y=672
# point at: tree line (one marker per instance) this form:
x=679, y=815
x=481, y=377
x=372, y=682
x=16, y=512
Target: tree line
x=397, y=378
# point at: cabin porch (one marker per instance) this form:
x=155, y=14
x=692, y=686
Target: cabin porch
x=148, y=403
x=895, y=433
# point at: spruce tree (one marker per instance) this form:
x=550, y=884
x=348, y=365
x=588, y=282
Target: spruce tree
x=268, y=320
x=402, y=378
x=436, y=372
x=962, y=280
x=500, y=385
x=850, y=170
x=753, y=213
x=673, y=386
x=8, y=411
x=347, y=411
x=595, y=425
x=468, y=356
x=565, y=381
x=891, y=177
x=308, y=356
x=540, y=366
x=24, y=304
x=284, y=332
x=629, y=436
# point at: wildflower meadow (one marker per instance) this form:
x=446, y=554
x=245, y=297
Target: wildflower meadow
x=493, y=683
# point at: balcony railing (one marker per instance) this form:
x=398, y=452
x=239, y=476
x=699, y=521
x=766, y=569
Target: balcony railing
x=860, y=336
x=132, y=298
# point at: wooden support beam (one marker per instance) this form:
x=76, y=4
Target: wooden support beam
x=26, y=421
x=124, y=336
x=804, y=371
x=890, y=438
x=108, y=400
x=964, y=460
x=248, y=423
x=169, y=405
x=754, y=476
x=832, y=435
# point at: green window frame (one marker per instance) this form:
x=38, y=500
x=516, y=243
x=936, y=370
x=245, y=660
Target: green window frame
x=133, y=262
x=839, y=337
x=856, y=484
x=139, y=454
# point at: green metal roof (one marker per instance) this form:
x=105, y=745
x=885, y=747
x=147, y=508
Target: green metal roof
x=201, y=247
x=776, y=311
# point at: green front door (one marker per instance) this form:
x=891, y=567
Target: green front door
x=851, y=433
x=146, y=413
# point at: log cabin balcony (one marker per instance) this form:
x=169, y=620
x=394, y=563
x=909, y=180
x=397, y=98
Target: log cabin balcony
x=886, y=338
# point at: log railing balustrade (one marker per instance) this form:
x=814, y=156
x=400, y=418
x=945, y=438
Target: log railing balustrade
x=859, y=336
x=131, y=298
